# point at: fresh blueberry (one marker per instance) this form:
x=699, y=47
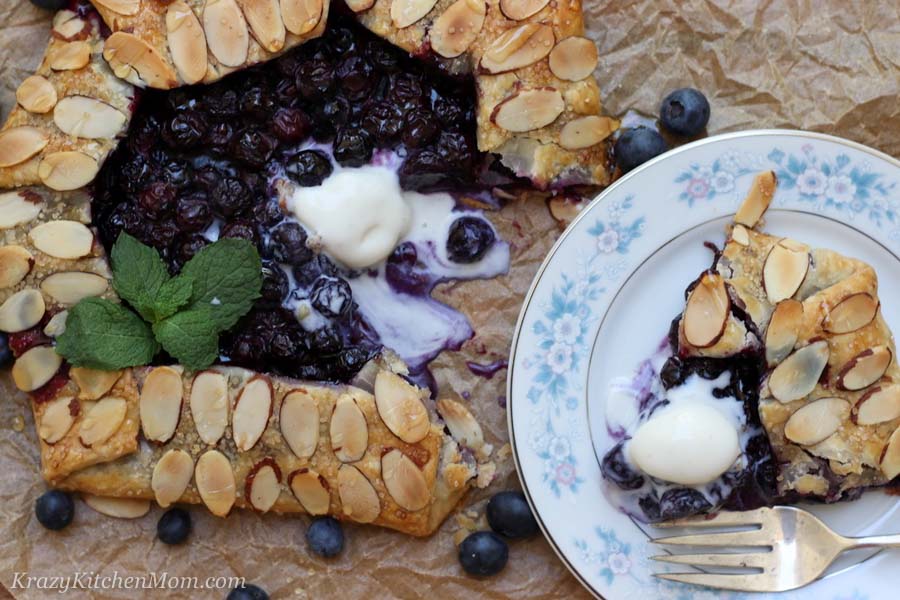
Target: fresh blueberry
x=509, y=515
x=616, y=469
x=309, y=168
x=483, y=553
x=54, y=509
x=469, y=240
x=636, y=146
x=331, y=296
x=682, y=502
x=174, y=526
x=51, y=4
x=248, y=591
x=325, y=537
x=6, y=355
x=685, y=112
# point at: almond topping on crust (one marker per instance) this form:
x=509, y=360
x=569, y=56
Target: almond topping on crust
x=311, y=491
x=400, y=406
x=63, y=239
x=407, y=12
x=852, y=313
x=299, y=420
x=18, y=144
x=252, y=409
x=80, y=116
x=518, y=47
x=18, y=207
x=23, y=310
x=458, y=27
x=70, y=56
x=301, y=16
x=585, y=132
x=65, y=171
x=783, y=330
x=119, y=508
x=865, y=368
x=187, y=42
x=758, y=199
x=226, y=32
x=574, y=58
x=15, y=264
x=67, y=25
x=56, y=325
x=349, y=432
x=57, y=419
x=161, y=398
x=796, y=377
x=404, y=481
x=122, y=7
x=72, y=287
x=215, y=482
x=93, y=384
x=35, y=368
x=264, y=19
x=879, y=405
x=785, y=269
x=263, y=485
x=816, y=421
x=462, y=425
x=359, y=499
x=36, y=95
x=528, y=110
x=102, y=420
x=171, y=477
x=360, y=5
x=519, y=10
x=125, y=51
x=209, y=406
x=890, y=456
x=706, y=312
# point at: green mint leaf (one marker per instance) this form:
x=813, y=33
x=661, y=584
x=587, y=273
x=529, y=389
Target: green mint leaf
x=138, y=274
x=191, y=337
x=227, y=279
x=172, y=296
x=103, y=335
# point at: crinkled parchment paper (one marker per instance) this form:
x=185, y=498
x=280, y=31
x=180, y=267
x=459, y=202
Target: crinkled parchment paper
x=825, y=65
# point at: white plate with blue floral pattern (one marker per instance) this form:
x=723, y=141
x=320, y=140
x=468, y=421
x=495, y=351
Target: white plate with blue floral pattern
x=603, y=300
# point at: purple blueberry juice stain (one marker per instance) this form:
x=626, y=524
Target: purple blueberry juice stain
x=487, y=370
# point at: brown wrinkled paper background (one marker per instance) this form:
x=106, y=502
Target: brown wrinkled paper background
x=824, y=65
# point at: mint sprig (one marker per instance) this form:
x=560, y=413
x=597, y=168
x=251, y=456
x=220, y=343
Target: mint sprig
x=183, y=315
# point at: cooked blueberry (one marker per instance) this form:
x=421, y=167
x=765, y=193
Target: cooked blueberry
x=248, y=348
x=174, y=526
x=289, y=243
x=636, y=146
x=222, y=103
x=177, y=173
x=267, y=214
x=256, y=102
x=708, y=368
x=193, y=213
x=220, y=137
x=404, y=272
x=290, y=124
x=240, y=230
x=672, y=373
x=356, y=75
x=230, y=196
x=6, y=356
x=325, y=340
x=382, y=122
x=483, y=553
x=420, y=128
x=650, y=505
x=331, y=296
x=275, y=283
x=325, y=537
x=314, y=78
x=685, y=112
x=672, y=338
x=352, y=147
x=157, y=198
x=617, y=470
x=469, y=239
x=336, y=111
x=254, y=148
x=384, y=58
x=309, y=168
x=248, y=591
x=509, y=515
x=341, y=40
x=184, y=131
x=191, y=246
x=54, y=509
x=51, y=4
x=682, y=502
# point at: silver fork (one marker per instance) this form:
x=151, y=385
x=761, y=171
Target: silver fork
x=792, y=549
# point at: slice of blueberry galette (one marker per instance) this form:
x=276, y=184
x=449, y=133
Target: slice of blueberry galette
x=779, y=383
x=223, y=221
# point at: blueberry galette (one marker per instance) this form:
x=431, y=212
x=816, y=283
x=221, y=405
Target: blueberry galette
x=779, y=383
x=223, y=221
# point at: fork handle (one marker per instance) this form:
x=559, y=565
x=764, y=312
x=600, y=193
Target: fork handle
x=879, y=541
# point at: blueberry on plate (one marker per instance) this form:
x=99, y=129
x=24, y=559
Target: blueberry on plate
x=678, y=503
x=509, y=515
x=174, y=526
x=617, y=470
x=636, y=146
x=50, y=4
x=248, y=591
x=6, y=355
x=325, y=537
x=54, y=509
x=685, y=112
x=469, y=239
x=483, y=553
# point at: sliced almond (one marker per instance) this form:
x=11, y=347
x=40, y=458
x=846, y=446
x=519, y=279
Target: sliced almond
x=73, y=286
x=67, y=25
x=18, y=144
x=161, y=399
x=69, y=56
x=706, y=312
x=171, y=476
x=519, y=10
x=890, y=456
x=797, y=375
x=879, y=405
x=263, y=485
x=400, y=406
x=816, y=421
x=215, y=482
x=518, y=47
x=783, y=330
x=574, y=58
x=226, y=32
x=299, y=419
x=36, y=95
x=35, y=368
x=56, y=326
x=359, y=499
x=264, y=19
x=359, y=5
x=408, y=12
x=529, y=110
x=187, y=42
x=122, y=7
x=349, y=432
x=758, y=199
x=784, y=271
x=57, y=419
x=404, y=481
x=852, y=313
x=80, y=116
x=585, y=132
x=66, y=171
x=23, y=310
x=102, y=421
x=462, y=425
x=311, y=491
x=458, y=27
x=125, y=52
x=92, y=383
x=252, y=410
x=209, y=406
x=740, y=235
x=301, y=16
x=15, y=264
x=17, y=208
x=119, y=508
x=865, y=368
x=565, y=208
x=63, y=239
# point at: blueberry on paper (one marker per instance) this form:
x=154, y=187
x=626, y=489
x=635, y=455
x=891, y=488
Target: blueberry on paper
x=685, y=112
x=54, y=510
x=483, y=553
x=325, y=537
x=6, y=355
x=509, y=515
x=174, y=526
x=636, y=146
x=51, y=4
x=469, y=240
x=248, y=591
